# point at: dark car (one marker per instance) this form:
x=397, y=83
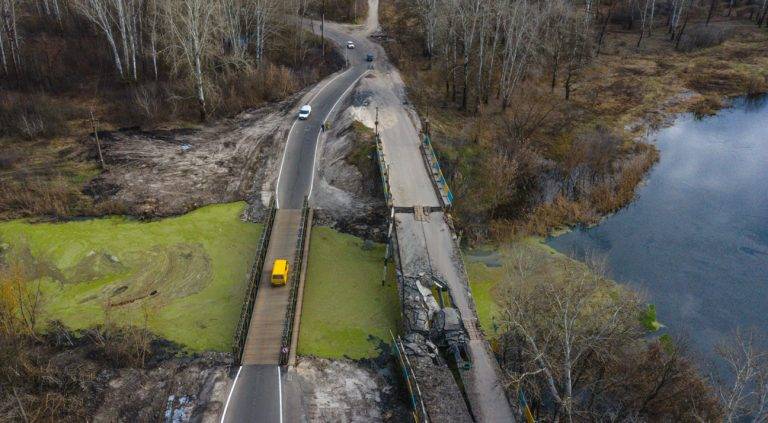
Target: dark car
x=369, y=57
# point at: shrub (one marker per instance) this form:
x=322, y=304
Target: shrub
x=756, y=85
x=35, y=197
x=700, y=37
x=32, y=116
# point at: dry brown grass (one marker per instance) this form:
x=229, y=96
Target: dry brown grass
x=54, y=197
x=624, y=91
x=39, y=379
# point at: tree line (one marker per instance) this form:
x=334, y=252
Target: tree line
x=486, y=48
x=184, y=38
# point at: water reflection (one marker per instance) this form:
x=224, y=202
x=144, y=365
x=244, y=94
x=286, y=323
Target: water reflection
x=696, y=238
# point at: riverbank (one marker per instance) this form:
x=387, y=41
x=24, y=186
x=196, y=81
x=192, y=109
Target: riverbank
x=492, y=268
x=694, y=239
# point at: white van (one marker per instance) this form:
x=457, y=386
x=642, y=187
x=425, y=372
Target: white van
x=304, y=112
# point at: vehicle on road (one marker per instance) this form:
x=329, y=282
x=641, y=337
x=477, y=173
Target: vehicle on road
x=280, y=272
x=350, y=44
x=369, y=57
x=305, y=111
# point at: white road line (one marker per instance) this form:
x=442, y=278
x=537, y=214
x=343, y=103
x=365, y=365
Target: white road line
x=317, y=141
x=229, y=397
x=280, y=390
x=285, y=150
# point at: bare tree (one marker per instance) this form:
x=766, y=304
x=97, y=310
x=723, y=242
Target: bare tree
x=8, y=16
x=2, y=54
x=263, y=16
x=428, y=13
x=743, y=390
x=154, y=16
x=100, y=14
x=646, y=20
x=520, y=29
x=574, y=343
x=575, y=320
x=468, y=14
x=192, y=29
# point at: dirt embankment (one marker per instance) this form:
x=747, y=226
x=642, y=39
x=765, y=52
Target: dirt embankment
x=107, y=376
x=348, y=194
x=351, y=391
x=161, y=173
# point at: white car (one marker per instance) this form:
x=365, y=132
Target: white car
x=304, y=112
x=350, y=44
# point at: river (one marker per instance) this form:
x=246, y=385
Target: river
x=695, y=240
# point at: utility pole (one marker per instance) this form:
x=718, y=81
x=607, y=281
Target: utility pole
x=98, y=143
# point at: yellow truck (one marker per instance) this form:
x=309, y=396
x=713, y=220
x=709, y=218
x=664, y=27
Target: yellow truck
x=280, y=272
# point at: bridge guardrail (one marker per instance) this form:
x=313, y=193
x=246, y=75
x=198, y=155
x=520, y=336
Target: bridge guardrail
x=383, y=170
x=418, y=409
x=444, y=193
x=295, y=275
x=252, y=289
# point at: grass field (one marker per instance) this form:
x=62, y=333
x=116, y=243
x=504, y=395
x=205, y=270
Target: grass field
x=184, y=276
x=488, y=268
x=347, y=311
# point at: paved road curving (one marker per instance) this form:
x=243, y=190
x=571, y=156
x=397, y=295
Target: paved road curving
x=264, y=392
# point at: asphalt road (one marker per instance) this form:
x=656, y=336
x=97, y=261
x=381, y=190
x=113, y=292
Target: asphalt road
x=263, y=393
x=297, y=168
x=266, y=393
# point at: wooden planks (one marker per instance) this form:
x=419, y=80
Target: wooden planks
x=265, y=332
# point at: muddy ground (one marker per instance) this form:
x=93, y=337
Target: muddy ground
x=98, y=375
x=161, y=173
x=351, y=391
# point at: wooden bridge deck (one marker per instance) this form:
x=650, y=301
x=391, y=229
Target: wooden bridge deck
x=262, y=346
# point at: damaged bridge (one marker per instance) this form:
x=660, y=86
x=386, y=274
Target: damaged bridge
x=441, y=326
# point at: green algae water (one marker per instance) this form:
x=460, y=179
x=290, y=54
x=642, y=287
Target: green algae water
x=184, y=276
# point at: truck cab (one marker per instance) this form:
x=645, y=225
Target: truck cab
x=279, y=272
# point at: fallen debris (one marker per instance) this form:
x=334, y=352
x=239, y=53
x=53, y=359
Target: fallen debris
x=351, y=391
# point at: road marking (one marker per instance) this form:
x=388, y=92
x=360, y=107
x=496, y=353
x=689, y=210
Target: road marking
x=229, y=397
x=317, y=141
x=285, y=150
x=280, y=390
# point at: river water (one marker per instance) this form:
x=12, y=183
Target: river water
x=695, y=240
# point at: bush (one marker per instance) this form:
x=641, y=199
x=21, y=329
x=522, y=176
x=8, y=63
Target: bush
x=700, y=37
x=31, y=116
x=35, y=197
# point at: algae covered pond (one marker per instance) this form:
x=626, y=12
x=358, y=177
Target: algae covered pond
x=696, y=237
x=184, y=276
x=347, y=311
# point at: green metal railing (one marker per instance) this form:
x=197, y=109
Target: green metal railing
x=433, y=166
x=285, y=344
x=241, y=330
x=418, y=409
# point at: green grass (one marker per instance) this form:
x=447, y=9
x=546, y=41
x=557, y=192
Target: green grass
x=541, y=264
x=486, y=280
x=185, y=276
x=346, y=310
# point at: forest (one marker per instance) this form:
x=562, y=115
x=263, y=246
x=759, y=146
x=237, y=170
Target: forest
x=552, y=100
